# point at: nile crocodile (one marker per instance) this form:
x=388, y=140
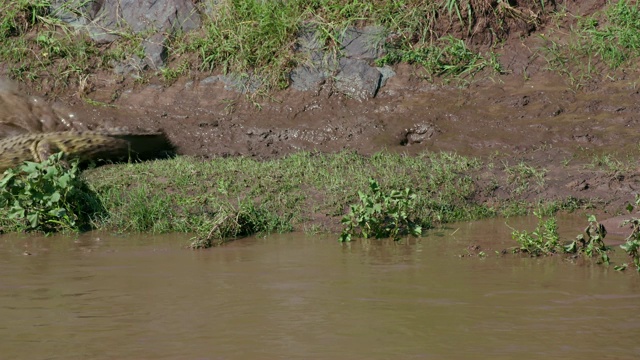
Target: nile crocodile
x=110, y=144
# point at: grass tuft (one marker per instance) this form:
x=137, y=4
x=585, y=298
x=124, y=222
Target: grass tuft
x=600, y=45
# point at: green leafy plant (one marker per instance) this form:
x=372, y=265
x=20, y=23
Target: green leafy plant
x=593, y=243
x=381, y=215
x=632, y=244
x=47, y=196
x=544, y=240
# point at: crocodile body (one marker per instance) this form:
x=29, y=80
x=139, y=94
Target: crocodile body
x=112, y=144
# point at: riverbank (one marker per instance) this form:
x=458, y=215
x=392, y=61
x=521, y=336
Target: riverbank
x=226, y=197
x=540, y=129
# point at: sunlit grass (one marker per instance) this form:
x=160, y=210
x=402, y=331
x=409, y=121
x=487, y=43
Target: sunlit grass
x=598, y=46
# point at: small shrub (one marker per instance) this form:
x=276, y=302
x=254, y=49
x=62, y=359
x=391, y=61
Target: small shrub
x=45, y=196
x=381, y=215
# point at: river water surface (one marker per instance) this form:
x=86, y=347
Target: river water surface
x=298, y=296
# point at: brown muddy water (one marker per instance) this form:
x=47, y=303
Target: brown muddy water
x=298, y=296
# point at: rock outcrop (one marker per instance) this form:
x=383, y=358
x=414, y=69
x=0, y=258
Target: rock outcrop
x=350, y=68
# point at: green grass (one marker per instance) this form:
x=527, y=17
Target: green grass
x=522, y=176
x=599, y=45
x=215, y=198
x=295, y=187
x=448, y=56
x=611, y=164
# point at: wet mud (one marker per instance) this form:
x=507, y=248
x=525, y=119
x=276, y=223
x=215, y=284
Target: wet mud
x=503, y=115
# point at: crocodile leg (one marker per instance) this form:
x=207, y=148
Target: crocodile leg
x=41, y=151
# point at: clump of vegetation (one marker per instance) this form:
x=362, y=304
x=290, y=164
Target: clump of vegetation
x=617, y=39
x=610, y=164
x=632, y=244
x=57, y=52
x=446, y=57
x=229, y=222
x=591, y=245
x=259, y=38
x=521, y=176
x=249, y=37
x=381, y=215
x=610, y=38
x=47, y=196
x=18, y=16
x=544, y=240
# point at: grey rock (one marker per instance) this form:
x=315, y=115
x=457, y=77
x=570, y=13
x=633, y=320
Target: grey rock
x=320, y=65
x=357, y=79
x=101, y=35
x=104, y=20
x=74, y=12
x=387, y=73
x=211, y=7
x=363, y=44
x=307, y=78
x=240, y=83
x=155, y=51
x=308, y=39
x=209, y=80
x=139, y=16
x=133, y=65
x=354, y=77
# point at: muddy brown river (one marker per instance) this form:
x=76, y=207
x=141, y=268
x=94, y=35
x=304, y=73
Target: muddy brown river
x=298, y=296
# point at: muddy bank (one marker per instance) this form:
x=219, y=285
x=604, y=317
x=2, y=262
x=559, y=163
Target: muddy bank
x=541, y=122
x=504, y=115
